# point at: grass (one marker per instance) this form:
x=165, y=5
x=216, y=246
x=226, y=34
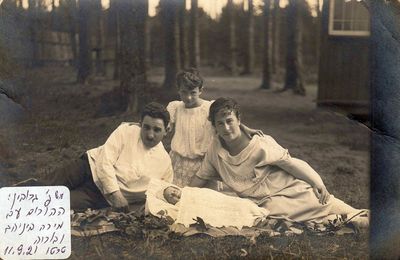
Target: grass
x=64, y=121
x=230, y=247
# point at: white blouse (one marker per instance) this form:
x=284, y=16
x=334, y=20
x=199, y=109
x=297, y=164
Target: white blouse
x=193, y=132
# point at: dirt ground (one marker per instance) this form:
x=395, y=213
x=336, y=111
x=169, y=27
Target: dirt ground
x=64, y=119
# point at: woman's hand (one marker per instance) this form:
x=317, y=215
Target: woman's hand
x=251, y=132
x=322, y=193
x=258, y=132
x=118, y=201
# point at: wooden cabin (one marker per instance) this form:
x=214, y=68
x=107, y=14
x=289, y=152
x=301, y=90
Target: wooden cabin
x=343, y=82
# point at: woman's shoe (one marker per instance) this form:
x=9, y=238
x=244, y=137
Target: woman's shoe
x=360, y=220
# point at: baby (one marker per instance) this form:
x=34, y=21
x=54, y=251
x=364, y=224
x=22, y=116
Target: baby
x=172, y=194
x=213, y=207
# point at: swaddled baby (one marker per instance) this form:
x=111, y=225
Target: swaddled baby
x=215, y=208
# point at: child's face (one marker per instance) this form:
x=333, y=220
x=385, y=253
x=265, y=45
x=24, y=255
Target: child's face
x=190, y=97
x=172, y=194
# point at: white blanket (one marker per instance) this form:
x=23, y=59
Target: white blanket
x=217, y=209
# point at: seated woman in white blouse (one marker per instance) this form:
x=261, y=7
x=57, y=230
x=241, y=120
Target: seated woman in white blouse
x=259, y=169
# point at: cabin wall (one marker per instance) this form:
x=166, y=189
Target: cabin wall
x=343, y=70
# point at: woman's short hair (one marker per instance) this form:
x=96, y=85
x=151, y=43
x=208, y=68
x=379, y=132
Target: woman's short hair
x=189, y=78
x=156, y=110
x=229, y=104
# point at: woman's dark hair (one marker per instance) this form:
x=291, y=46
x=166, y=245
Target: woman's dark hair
x=156, y=110
x=189, y=78
x=229, y=104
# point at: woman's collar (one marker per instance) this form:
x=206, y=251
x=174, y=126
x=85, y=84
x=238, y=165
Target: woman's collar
x=239, y=158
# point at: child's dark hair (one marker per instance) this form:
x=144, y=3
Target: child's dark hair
x=156, y=110
x=189, y=78
x=228, y=104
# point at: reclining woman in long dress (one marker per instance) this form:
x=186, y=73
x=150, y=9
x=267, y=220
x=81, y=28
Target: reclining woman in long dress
x=258, y=168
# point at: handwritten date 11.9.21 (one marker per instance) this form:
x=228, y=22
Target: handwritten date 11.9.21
x=31, y=250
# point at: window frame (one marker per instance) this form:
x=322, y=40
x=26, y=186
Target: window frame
x=333, y=32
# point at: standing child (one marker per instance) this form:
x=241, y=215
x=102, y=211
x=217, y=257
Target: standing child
x=190, y=128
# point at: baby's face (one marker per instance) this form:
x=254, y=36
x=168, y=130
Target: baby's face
x=172, y=194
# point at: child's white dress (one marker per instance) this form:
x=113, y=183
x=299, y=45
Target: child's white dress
x=193, y=134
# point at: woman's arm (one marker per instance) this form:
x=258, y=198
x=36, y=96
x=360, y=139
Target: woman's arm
x=250, y=132
x=302, y=170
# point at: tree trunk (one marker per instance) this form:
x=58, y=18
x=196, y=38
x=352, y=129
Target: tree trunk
x=318, y=32
x=249, y=57
x=182, y=34
x=53, y=14
x=275, y=61
x=168, y=10
x=232, y=39
x=194, y=49
x=385, y=112
x=266, y=75
x=10, y=5
x=99, y=33
x=34, y=32
x=133, y=61
x=148, y=44
x=115, y=34
x=72, y=16
x=293, y=79
x=84, y=61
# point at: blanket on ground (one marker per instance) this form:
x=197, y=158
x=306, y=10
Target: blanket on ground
x=95, y=222
x=193, y=215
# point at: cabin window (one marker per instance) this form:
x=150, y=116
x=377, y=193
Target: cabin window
x=348, y=18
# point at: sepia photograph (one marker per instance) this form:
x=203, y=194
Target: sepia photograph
x=199, y=129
